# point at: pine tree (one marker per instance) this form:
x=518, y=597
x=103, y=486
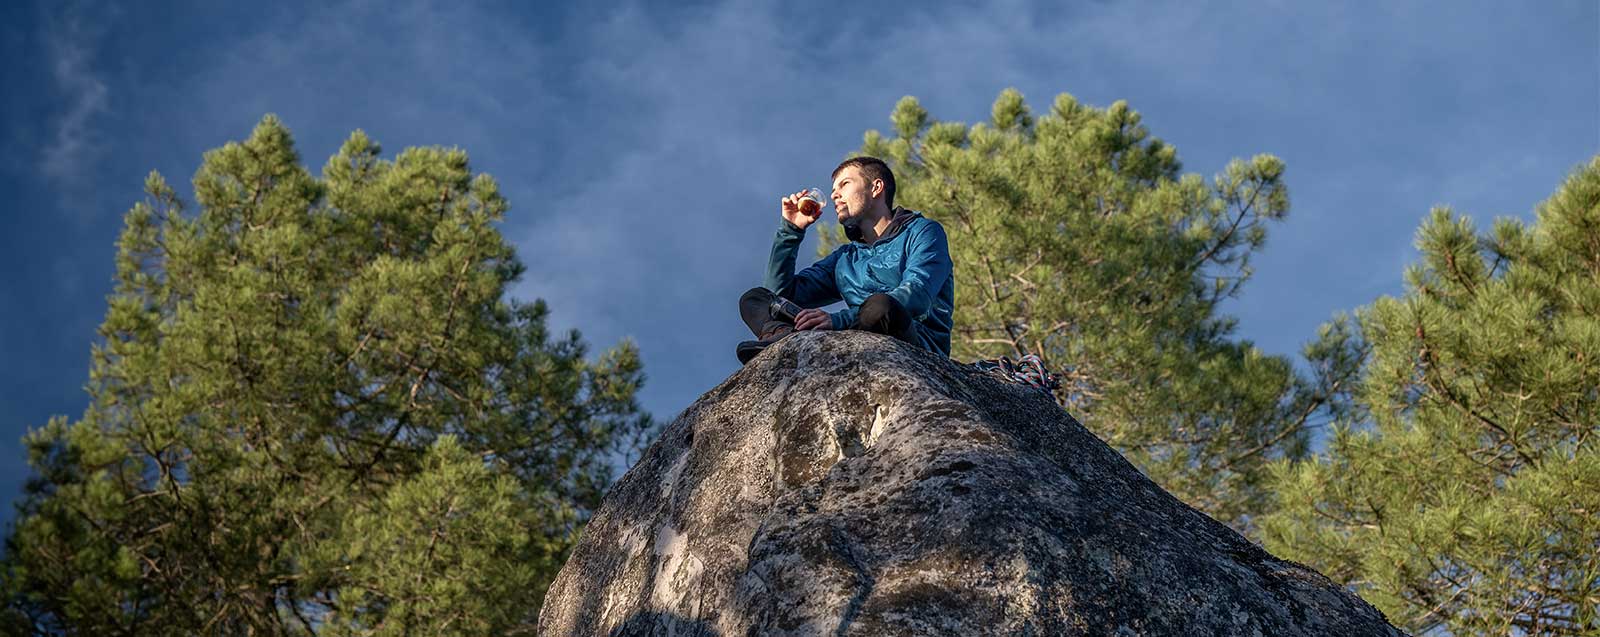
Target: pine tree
x=1460, y=493
x=1076, y=238
x=314, y=412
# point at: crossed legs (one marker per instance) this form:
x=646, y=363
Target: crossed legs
x=880, y=313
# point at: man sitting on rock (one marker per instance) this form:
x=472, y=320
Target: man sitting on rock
x=894, y=275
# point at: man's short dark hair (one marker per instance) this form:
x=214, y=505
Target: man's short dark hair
x=872, y=168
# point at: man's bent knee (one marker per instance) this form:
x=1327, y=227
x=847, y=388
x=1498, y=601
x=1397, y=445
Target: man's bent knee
x=755, y=302
x=883, y=314
x=756, y=294
x=876, y=308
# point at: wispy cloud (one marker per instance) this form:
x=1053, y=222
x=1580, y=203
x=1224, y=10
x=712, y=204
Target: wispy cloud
x=409, y=73
x=67, y=159
x=653, y=233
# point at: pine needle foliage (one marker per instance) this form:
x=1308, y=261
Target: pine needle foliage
x=1460, y=494
x=314, y=411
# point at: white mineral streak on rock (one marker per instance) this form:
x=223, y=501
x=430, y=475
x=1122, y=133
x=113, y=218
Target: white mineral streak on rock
x=616, y=604
x=669, y=542
x=678, y=572
x=670, y=481
x=631, y=541
x=880, y=418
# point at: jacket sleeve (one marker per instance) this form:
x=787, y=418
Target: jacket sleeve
x=811, y=287
x=927, y=267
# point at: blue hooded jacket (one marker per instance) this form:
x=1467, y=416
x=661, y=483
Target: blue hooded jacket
x=910, y=262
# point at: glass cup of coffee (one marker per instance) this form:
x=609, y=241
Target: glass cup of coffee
x=811, y=202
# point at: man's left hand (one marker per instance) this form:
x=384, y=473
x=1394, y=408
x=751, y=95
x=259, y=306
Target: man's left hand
x=813, y=319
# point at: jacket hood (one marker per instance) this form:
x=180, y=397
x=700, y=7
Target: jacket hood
x=902, y=217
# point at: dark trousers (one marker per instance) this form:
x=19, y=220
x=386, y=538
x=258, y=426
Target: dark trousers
x=880, y=313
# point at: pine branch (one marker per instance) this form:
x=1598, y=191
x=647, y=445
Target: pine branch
x=1430, y=378
x=1232, y=227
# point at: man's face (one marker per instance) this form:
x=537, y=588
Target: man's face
x=852, y=195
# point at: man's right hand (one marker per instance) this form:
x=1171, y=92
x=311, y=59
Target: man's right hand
x=792, y=214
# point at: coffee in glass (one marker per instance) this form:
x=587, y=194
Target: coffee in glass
x=811, y=202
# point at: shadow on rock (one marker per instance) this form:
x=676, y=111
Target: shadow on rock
x=653, y=624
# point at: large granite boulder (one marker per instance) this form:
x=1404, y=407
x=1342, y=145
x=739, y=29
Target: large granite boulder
x=844, y=483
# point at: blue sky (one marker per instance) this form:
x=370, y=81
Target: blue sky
x=643, y=146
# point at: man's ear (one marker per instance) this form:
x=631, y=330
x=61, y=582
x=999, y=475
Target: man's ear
x=877, y=188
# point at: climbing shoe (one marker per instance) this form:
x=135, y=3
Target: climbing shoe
x=748, y=349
